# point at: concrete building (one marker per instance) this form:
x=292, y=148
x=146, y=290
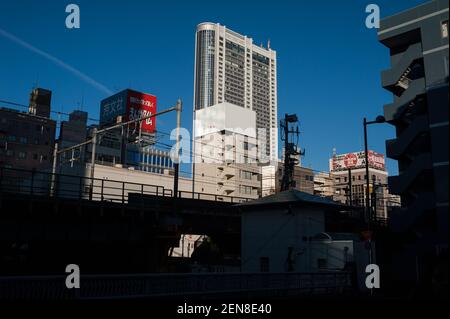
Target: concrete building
x=230, y=68
x=268, y=180
x=303, y=178
x=349, y=169
x=417, y=40
x=287, y=232
x=116, y=181
x=73, y=132
x=226, y=152
x=27, y=139
x=324, y=185
x=272, y=175
x=148, y=158
x=40, y=100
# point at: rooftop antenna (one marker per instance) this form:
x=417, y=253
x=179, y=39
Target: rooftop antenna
x=334, y=151
x=268, y=43
x=82, y=102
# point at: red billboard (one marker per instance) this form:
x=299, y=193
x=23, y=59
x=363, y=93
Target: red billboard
x=130, y=105
x=357, y=160
x=141, y=105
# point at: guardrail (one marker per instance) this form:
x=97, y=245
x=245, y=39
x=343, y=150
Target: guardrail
x=172, y=285
x=38, y=183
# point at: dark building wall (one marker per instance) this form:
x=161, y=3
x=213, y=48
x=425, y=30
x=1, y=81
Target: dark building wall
x=26, y=141
x=418, y=79
x=302, y=176
x=75, y=130
x=40, y=100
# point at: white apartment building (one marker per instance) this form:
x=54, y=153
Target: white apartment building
x=229, y=67
x=226, y=152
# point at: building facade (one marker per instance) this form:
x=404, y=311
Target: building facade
x=27, y=139
x=417, y=40
x=290, y=232
x=303, y=178
x=40, y=100
x=324, y=185
x=348, y=170
x=111, y=151
x=229, y=67
x=226, y=152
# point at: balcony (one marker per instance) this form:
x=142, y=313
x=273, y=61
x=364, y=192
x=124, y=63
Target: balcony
x=226, y=189
x=394, y=78
x=404, y=218
x=400, y=184
x=395, y=148
x=394, y=111
x=226, y=172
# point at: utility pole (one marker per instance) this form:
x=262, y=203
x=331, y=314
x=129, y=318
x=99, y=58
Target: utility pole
x=94, y=145
x=374, y=200
x=290, y=150
x=55, y=158
x=123, y=145
x=350, y=195
x=177, y=149
x=366, y=157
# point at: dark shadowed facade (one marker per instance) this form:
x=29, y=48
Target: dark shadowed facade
x=27, y=139
x=417, y=40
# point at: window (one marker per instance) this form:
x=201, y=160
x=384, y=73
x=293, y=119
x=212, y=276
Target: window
x=9, y=153
x=444, y=29
x=322, y=263
x=246, y=174
x=246, y=189
x=22, y=155
x=264, y=264
x=23, y=140
x=11, y=138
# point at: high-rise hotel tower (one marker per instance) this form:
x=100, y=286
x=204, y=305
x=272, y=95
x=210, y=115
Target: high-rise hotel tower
x=230, y=68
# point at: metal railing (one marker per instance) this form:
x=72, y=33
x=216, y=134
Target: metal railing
x=172, y=285
x=38, y=183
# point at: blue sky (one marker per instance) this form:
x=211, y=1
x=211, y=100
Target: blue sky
x=329, y=63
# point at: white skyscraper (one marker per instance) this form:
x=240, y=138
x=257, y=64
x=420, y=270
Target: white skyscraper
x=230, y=68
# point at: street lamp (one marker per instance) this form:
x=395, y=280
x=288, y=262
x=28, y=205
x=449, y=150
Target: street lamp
x=380, y=119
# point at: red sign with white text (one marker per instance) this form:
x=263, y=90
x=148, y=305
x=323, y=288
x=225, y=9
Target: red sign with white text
x=140, y=105
x=357, y=160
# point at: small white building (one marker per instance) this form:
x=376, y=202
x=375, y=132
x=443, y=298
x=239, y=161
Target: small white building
x=286, y=232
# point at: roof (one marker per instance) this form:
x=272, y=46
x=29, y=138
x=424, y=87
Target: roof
x=335, y=237
x=293, y=197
